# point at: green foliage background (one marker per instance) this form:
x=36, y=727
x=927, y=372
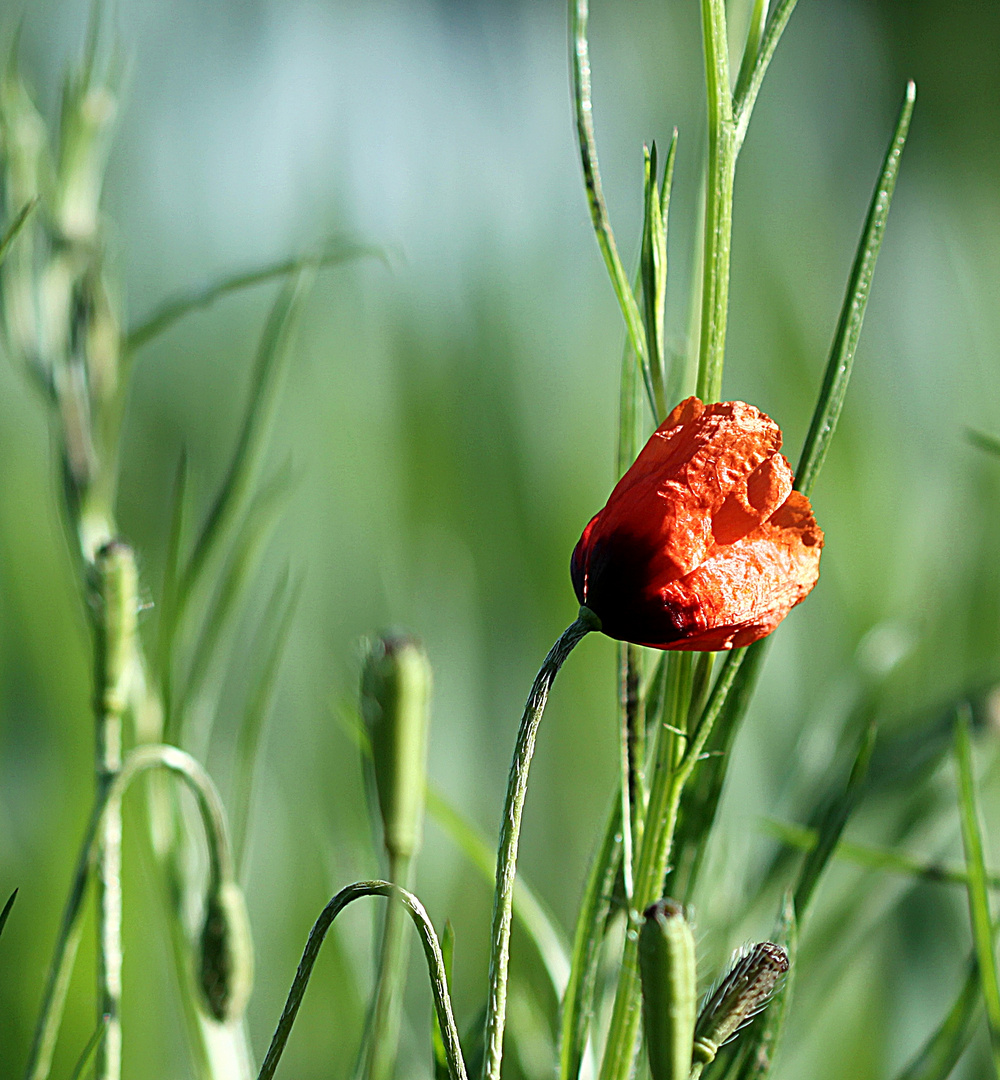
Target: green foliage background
x=451, y=423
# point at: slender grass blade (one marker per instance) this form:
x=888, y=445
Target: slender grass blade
x=93, y=1045
x=831, y=826
x=334, y=253
x=5, y=914
x=16, y=226
x=437, y=1038
x=748, y=89
x=852, y=314
x=937, y=1058
x=979, y=901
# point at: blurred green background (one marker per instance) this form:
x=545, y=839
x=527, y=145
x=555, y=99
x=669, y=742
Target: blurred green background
x=451, y=421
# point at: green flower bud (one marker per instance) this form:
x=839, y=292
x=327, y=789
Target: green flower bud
x=395, y=704
x=754, y=975
x=117, y=594
x=225, y=970
x=667, y=968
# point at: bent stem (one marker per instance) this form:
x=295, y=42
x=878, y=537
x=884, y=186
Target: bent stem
x=435, y=964
x=510, y=831
x=220, y=868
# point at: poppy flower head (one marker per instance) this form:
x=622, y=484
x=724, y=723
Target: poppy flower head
x=703, y=544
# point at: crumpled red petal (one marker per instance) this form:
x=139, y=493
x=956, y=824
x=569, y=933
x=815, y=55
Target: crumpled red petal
x=702, y=544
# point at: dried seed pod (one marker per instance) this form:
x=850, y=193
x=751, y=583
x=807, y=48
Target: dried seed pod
x=754, y=975
x=667, y=968
x=395, y=703
x=225, y=972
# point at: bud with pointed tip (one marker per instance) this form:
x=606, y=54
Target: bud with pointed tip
x=744, y=991
x=395, y=704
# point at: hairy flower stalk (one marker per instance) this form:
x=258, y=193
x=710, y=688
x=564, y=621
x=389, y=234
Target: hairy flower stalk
x=115, y=602
x=510, y=831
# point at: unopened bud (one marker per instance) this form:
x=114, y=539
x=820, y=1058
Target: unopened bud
x=395, y=704
x=744, y=991
x=225, y=971
x=667, y=968
x=117, y=588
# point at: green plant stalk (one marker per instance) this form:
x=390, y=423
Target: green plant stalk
x=979, y=900
x=666, y=788
x=578, y=1002
x=719, y=201
x=220, y=864
x=510, y=831
x=112, y=645
x=384, y=1040
x=579, y=12
x=432, y=952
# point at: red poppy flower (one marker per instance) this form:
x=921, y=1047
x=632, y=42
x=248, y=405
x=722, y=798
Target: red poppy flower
x=703, y=544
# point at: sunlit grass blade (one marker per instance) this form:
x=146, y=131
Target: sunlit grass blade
x=979, y=900
x=335, y=251
x=653, y=274
x=989, y=443
x=937, y=1058
x=15, y=226
x=168, y=595
x=832, y=820
x=272, y=355
x=5, y=914
x=281, y=606
x=751, y=50
x=255, y=529
x=578, y=1001
x=437, y=1039
x=852, y=314
x=580, y=49
x=748, y=88
x=93, y=1045
x=873, y=858
x=534, y=918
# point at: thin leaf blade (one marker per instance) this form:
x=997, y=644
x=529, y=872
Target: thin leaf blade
x=852, y=313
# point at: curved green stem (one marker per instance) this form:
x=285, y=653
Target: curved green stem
x=220, y=868
x=510, y=831
x=435, y=964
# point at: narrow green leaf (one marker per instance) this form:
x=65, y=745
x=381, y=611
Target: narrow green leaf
x=282, y=603
x=255, y=529
x=591, y=924
x=747, y=91
x=437, y=1039
x=872, y=858
x=989, y=443
x=535, y=919
x=334, y=252
x=751, y=50
x=5, y=914
x=939, y=1055
x=653, y=274
x=272, y=356
x=166, y=631
x=831, y=825
x=979, y=901
x=93, y=1044
x=852, y=314
x=15, y=226
x=579, y=13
